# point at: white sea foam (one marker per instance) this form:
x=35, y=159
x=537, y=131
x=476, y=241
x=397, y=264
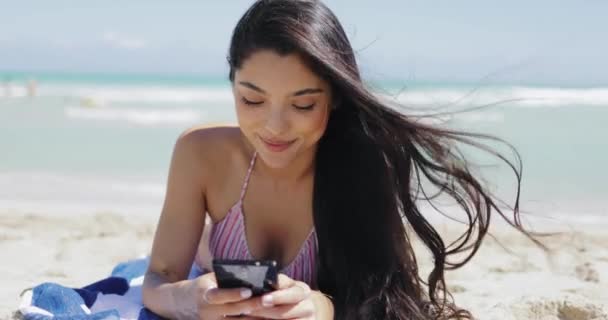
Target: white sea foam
x=12, y=91
x=147, y=94
x=511, y=96
x=416, y=97
x=557, y=97
x=138, y=116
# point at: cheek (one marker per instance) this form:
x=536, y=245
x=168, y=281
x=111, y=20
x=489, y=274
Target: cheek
x=314, y=125
x=246, y=116
x=246, y=122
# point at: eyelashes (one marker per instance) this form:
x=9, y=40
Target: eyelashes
x=256, y=103
x=248, y=102
x=304, y=108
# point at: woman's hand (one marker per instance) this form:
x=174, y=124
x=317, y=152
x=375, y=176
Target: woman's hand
x=292, y=300
x=213, y=303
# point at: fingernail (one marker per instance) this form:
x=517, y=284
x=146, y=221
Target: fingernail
x=307, y=290
x=246, y=293
x=206, y=293
x=246, y=312
x=267, y=300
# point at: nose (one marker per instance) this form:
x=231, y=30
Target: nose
x=277, y=122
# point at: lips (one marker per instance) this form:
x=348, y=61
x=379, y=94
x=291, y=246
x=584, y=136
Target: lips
x=277, y=145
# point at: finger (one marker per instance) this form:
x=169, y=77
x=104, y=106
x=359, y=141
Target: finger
x=244, y=307
x=283, y=281
x=303, y=310
x=297, y=292
x=223, y=296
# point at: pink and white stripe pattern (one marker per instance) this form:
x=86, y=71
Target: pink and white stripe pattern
x=228, y=241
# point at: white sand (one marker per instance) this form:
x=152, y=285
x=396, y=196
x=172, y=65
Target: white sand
x=76, y=251
x=73, y=251
x=512, y=278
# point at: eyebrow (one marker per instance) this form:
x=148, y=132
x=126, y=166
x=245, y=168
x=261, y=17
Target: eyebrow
x=297, y=93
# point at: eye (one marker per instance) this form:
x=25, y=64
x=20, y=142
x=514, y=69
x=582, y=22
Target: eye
x=249, y=102
x=304, y=108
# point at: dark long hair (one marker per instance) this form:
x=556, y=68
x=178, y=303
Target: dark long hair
x=368, y=171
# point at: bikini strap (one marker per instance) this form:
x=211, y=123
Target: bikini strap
x=251, y=163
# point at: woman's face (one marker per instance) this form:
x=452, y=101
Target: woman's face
x=281, y=105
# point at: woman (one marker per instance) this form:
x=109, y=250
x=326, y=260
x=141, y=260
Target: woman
x=320, y=175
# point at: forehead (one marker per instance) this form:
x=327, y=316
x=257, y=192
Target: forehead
x=268, y=69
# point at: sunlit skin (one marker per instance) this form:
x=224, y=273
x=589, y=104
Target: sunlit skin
x=282, y=109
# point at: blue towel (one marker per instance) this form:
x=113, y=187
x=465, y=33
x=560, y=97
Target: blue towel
x=115, y=297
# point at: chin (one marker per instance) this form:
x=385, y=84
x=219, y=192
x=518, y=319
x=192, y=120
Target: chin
x=277, y=160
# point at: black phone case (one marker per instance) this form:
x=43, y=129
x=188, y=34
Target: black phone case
x=258, y=275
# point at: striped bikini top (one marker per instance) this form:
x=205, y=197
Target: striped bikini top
x=228, y=241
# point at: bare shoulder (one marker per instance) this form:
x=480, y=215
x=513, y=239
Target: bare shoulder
x=211, y=150
x=205, y=138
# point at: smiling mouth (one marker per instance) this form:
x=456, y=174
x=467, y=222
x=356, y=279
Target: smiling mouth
x=277, y=145
x=277, y=142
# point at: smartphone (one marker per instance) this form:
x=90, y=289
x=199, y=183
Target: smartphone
x=258, y=275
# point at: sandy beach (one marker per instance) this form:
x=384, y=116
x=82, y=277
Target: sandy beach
x=69, y=250
x=93, y=99
x=517, y=281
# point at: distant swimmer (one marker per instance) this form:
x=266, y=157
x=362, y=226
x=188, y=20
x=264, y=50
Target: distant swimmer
x=31, y=88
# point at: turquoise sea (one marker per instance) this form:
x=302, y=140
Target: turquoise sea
x=94, y=142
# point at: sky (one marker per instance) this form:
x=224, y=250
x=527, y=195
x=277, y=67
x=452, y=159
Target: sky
x=541, y=41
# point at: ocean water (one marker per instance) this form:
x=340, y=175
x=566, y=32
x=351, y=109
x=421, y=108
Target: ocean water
x=88, y=143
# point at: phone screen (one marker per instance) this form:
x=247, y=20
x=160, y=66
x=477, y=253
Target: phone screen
x=259, y=276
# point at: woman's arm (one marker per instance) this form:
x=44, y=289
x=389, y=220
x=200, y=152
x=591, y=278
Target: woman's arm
x=178, y=233
x=167, y=298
